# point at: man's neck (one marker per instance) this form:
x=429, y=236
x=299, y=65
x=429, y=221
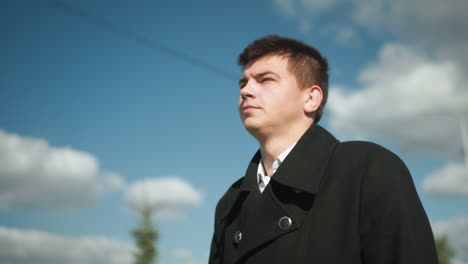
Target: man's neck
x=271, y=147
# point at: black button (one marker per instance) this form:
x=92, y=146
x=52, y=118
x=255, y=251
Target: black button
x=237, y=236
x=285, y=223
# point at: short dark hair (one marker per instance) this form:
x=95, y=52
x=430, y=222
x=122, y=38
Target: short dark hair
x=308, y=65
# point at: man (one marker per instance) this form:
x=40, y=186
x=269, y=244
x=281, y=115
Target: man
x=306, y=197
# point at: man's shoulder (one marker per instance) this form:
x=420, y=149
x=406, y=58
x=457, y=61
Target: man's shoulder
x=355, y=149
x=358, y=145
x=234, y=187
x=373, y=163
x=364, y=149
x=362, y=156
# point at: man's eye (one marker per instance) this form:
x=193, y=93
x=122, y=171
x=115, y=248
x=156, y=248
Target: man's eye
x=267, y=79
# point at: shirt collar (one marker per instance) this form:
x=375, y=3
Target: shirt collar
x=303, y=167
x=261, y=170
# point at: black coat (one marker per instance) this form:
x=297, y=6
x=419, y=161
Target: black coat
x=349, y=202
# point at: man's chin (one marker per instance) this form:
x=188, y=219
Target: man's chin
x=251, y=123
x=252, y=126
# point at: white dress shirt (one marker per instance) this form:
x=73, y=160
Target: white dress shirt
x=264, y=179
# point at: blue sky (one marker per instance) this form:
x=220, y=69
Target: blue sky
x=100, y=97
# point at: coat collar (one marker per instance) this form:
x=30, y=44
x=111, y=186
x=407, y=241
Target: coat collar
x=290, y=193
x=303, y=167
x=301, y=170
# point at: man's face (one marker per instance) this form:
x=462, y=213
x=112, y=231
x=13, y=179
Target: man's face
x=270, y=97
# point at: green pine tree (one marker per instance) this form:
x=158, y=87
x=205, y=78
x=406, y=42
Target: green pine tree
x=444, y=251
x=145, y=236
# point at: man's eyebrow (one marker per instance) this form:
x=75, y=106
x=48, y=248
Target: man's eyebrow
x=264, y=73
x=257, y=75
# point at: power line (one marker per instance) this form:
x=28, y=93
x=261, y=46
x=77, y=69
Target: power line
x=141, y=39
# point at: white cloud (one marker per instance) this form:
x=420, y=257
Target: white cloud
x=343, y=35
x=34, y=174
x=437, y=25
x=184, y=256
x=407, y=98
x=307, y=12
x=450, y=180
x=300, y=8
x=286, y=7
x=420, y=17
x=37, y=247
x=169, y=195
x=315, y=6
x=457, y=233
x=346, y=35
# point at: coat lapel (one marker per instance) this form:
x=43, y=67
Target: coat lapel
x=305, y=165
x=241, y=188
x=291, y=191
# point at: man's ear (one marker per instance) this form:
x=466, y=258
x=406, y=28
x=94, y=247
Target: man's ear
x=313, y=99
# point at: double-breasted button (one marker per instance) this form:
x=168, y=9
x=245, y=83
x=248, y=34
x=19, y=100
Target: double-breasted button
x=237, y=236
x=285, y=223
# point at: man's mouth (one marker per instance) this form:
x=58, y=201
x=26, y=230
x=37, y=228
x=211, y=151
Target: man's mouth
x=247, y=108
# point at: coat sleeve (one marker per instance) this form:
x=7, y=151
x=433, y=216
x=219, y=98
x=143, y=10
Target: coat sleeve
x=394, y=227
x=216, y=242
x=215, y=251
